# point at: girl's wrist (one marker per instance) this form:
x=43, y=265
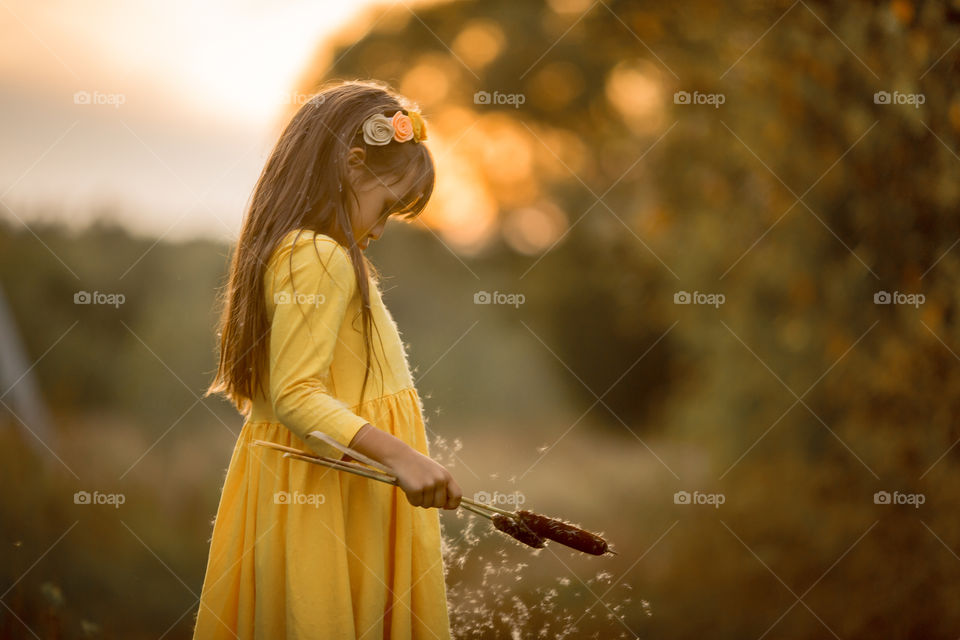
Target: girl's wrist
x=381, y=446
x=399, y=453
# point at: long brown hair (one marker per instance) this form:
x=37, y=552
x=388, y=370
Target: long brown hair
x=305, y=185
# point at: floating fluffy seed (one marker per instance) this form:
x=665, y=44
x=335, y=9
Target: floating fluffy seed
x=518, y=531
x=565, y=533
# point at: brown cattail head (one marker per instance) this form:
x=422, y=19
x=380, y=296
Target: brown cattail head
x=563, y=532
x=518, y=531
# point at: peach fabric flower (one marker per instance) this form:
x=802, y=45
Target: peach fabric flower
x=402, y=127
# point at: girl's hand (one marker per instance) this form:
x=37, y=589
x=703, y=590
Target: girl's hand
x=426, y=482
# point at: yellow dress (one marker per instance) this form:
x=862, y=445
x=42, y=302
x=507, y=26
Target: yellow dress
x=301, y=551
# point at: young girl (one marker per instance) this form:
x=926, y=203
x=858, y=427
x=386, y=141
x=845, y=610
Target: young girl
x=298, y=550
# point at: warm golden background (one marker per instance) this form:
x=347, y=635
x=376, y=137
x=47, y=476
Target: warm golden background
x=593, y=192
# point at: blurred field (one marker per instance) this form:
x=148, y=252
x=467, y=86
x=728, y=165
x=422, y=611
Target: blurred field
x=780, y=464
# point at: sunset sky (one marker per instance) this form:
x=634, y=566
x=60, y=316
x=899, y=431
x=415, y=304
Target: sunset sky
x=161, y=113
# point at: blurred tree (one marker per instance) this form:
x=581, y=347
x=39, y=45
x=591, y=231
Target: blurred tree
x=561, y=134
x=535, y=111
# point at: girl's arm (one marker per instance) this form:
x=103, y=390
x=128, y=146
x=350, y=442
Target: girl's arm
x=309, y=306
x=426, y=482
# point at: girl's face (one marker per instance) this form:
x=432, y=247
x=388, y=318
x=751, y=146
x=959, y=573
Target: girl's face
x=376, y=202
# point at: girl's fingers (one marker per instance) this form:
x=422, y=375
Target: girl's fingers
x=415, y=498
x=457, y=493
x=439, y=496
x=453, y=495
x=453, y=500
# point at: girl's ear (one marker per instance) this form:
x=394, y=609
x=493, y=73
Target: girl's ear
x=356, y=158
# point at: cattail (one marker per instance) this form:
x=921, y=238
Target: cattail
x=532, y=529
x=563, y=532
x=517, y=530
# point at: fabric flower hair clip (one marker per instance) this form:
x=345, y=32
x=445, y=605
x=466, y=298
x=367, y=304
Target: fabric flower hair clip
x=379, y=129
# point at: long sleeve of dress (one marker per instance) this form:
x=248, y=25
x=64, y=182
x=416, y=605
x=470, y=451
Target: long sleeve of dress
x=310, y=302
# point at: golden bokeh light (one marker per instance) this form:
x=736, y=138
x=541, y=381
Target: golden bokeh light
x=427, y=81
x=531, y=230
x=635, y=91
x=504, y=151
x=555, y=85
x=463, y=210
x=570, y=6
x=480, y=42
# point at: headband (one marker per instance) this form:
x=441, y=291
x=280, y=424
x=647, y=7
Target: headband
x=379, y=130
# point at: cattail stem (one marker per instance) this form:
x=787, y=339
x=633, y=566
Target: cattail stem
x=345, y=466
x=359, y=469
x=473, y=509
x=484, y=505
x=366, y=472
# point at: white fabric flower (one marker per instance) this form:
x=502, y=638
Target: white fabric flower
x=378, y=130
